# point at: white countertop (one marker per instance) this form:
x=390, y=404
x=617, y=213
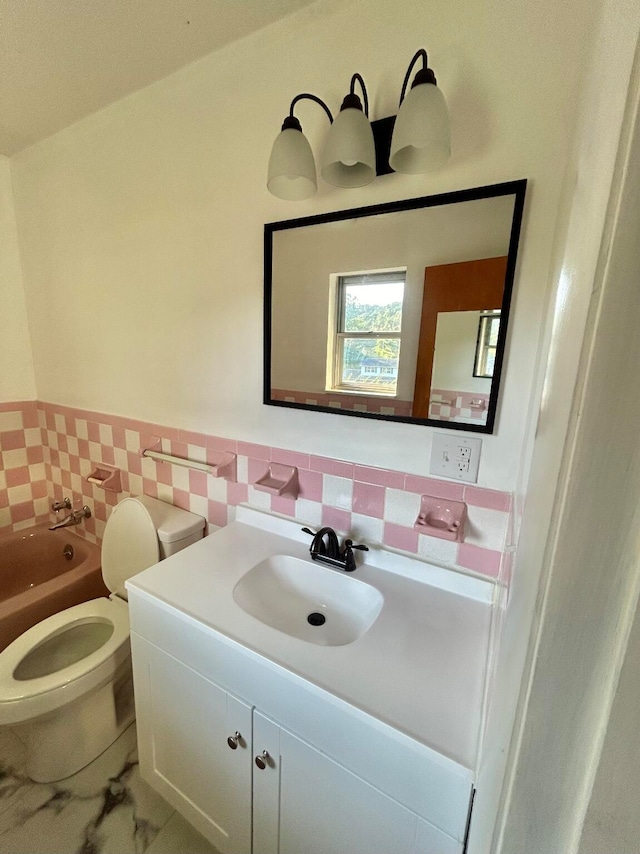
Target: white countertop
x=420, y=668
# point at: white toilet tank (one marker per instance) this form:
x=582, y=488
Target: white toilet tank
x=140, y=532
x=176, y=528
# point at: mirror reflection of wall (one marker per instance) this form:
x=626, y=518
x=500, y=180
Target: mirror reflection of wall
x=349, y=298
x=463, y=365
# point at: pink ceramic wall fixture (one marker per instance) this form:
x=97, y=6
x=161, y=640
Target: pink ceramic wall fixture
x=106, y=477
x=279, y=480
x=224, y=465
x=220, y=464
x=441, y=517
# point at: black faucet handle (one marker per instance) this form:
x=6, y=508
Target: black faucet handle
x=308, y=531
x=348, y=556
x=349, y=544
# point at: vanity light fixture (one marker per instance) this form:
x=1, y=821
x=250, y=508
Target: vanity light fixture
x=292, y=169
x=421, y=138
x=349, y=157
x=356, y=150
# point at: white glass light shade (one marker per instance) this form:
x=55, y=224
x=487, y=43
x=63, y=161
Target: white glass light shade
x=421, y=136
x=349, y=157
x=292, y=169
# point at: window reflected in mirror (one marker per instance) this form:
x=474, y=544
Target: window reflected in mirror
x=488, y=329
x=367, y=336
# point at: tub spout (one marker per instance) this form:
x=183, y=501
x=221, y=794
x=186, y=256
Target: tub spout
x=74, y=518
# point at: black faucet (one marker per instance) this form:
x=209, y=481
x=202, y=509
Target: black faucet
x=326, y=548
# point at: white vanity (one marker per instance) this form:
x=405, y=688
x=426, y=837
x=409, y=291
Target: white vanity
x=360, y=735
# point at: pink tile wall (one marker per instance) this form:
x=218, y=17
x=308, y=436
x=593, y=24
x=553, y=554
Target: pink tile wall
x=355, y=402
x=373, y=505
x=23, y=484
x=447, y=404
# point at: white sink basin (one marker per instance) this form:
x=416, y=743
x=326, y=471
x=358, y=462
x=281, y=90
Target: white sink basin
x=308, y=601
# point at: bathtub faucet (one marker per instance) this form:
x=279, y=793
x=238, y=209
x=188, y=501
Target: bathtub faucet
x=65, y=504
x=74, y=518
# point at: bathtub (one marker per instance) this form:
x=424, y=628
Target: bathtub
x=38, y=580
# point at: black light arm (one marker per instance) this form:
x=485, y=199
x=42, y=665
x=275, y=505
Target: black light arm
x=292, y=122
x=425, y=75
x=353, y=99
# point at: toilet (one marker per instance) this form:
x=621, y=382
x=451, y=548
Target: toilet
x=65, y=684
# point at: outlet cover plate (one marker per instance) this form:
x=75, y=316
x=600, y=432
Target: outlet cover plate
x=456, y=457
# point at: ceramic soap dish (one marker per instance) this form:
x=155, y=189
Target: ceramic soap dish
x=279, y=480
x=441, y=517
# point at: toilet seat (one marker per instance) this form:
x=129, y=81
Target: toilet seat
x=129, y=545
x=24, y=699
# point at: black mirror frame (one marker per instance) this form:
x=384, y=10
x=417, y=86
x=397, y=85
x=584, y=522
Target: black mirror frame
x=515, y=188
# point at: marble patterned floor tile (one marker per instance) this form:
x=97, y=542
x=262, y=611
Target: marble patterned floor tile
x=179, y=837
x=104, y=809
x=13, y=782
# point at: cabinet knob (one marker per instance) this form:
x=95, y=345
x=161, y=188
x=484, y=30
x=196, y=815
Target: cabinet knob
x=234, y=740
x=262, y=760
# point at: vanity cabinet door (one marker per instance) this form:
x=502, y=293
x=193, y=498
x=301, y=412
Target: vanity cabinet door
x=306, y=802
x=184, y=722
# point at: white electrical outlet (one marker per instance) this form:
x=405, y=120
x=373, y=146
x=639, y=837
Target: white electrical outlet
x=455, y=457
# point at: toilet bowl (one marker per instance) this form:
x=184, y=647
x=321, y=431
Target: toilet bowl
x=65, y=684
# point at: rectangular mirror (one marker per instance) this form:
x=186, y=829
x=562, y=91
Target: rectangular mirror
x=395, y=311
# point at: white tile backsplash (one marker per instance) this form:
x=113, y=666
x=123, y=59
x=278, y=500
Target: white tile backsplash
x=337, y=491
x=366, y=529
x=196, y=453
x=19, y=494
x=242, y=471
x=180, y=478
x=198, y=504
x=33, y=437
x=165, y=493
x=14, y=459
x=437, y=550
x=36, y=472
x=106, y=434
x=401, y=507
x=135, y=484
x=10, y=421
x=131, y=440
x=308, y=512
x=216, y=489
x=486, y=528
x=258, y=498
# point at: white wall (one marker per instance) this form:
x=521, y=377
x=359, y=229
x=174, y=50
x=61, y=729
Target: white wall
x=612, y=821
x=141, y=226
x=548, y=754
x=594, y=571
x=16, y=362
x=455, y=352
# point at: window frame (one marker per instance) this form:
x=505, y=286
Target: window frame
x=482, y=344
x=339, y=335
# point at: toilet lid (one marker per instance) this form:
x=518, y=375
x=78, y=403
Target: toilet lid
x=130, y=544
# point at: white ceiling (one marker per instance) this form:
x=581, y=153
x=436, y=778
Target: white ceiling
x=61, y=60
